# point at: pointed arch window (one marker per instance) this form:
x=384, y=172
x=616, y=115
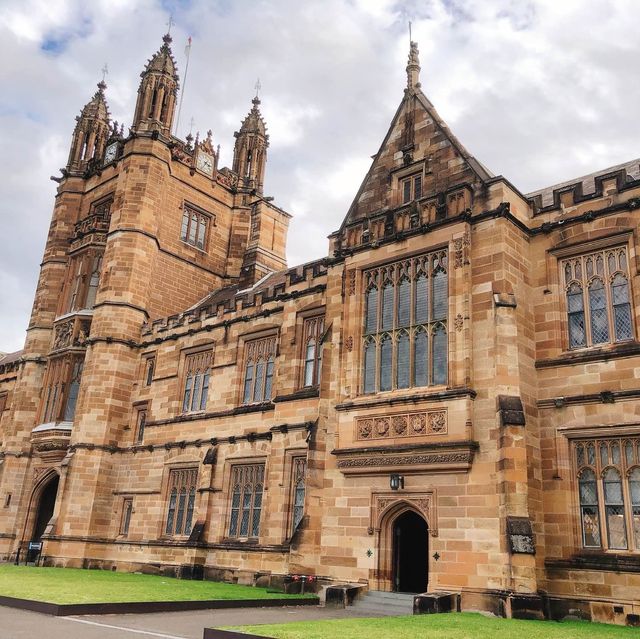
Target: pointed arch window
x=298, y=488
x=598, y=298
x=61, y=388
x=312, y=336
x=247, y=487
x=197, y=371
x=181, y=504
x=608, y=475
x=405, y=324
x=259, y=368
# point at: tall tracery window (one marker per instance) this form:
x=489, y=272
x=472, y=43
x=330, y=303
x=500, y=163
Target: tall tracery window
x=196, y=384
x=61, y=389
x=259, y=364
x=598, y=298
x=298, y=488
x=312, y=334
x=182, y=500
x=608, y=474
x=194, y=227
x=247, y=486
x=405, y=333
x=83, y=280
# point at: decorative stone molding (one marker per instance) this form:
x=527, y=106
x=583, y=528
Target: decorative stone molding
x=437, y=457
x=72, y=332
x=461, y=250
x=387, y=503
x=401, y=425
x=351, y=277
x=458, y=322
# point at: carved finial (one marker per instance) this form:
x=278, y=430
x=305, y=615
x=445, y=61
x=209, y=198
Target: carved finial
x=413, y=67
x=170, y=23
x=258, y=87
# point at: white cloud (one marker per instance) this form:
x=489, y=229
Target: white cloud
x=539, y=90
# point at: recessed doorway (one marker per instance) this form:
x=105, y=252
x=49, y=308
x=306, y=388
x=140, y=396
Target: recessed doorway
x=410, y=553
x=46, y=504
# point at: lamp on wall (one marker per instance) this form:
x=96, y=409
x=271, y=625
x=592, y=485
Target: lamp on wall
x=396, y=482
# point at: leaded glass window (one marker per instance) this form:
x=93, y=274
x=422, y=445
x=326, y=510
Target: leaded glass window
x=247, y=487
x=196, y=385
x=182, y=496
x=194, y=227
x=312, y=335
x=608, y=472
x=598, y=298
x=405, y=326
x=258, y=370
x=61, y=388
x=298, y=486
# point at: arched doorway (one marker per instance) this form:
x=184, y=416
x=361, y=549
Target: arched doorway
x=46, y=504
x=410, y=552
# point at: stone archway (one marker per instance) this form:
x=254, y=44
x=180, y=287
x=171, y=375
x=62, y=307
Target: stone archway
x=402, y=525
x=45, y=506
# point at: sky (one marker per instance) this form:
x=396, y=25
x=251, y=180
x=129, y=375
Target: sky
x=539, y=91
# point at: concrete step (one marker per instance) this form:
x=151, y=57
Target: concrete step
x=384, y=603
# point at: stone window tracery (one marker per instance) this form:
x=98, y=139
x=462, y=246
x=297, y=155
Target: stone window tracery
x=598, y=298
x=312, y=334
x=182, y=499
x=258, y=370
x=608, y=477
x=247, y=486
x=83, y=281
x=298, y=489
x=61, y=388
x=194, y=227
x=196, y=385
x=405, y=327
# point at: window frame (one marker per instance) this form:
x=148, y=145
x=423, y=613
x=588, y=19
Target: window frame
x=200, y=239
x=141, y=421
x=430, y=319
x=609, y=453
x=125, y=517
x=299, y=468
x=411, y=187
x=313, y=329
x=148, y=369
x=177, y=522
x=568, y=258
x=61, y=374
x=256, y=350
x=196, y=380
x=256, y=470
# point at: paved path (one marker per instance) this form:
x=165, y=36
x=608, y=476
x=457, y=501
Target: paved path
x=20, y=624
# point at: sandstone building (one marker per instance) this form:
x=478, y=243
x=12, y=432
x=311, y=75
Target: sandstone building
x=449, y=401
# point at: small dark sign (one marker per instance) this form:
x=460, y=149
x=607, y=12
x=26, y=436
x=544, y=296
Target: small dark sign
x=520, y=535
x=35, y=545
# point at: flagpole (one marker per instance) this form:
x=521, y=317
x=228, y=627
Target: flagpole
x=187, y=51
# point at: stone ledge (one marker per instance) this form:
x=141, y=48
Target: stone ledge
x=597, y=561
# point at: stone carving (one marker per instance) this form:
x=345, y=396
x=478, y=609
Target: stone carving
x=349, y=343
x=83, y=333
x=438, y=422
x=352, y=281
x=402, y=425
x=458, y=322
x=423, y=502
x=461, y=250
x=465, y=457
x=62, y=337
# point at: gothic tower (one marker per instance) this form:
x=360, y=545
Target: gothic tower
x=91, y=132
x=157, y=92
x=250, y=152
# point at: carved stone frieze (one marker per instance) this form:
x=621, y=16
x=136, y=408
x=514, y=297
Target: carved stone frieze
x=407, y=460
x=458, y=322
x=62, y=335
x=402, y=425
x=461, y=250
x=351, y=277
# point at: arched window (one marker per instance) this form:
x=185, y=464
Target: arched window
x=309, y=362
x=421, y=358
x=298, y=480
x=94, y=280
x=190, y=506
x=598, y=298
x=235, y=511
x=589, y=509
x=575, y=306
x=258, y=370
x=439, y=295
x=182, y=499
x=387, y=306
x=422, y=300
x=404, y=303
x=598, y=312
x=403, y=361
x=386, y=359
x=196, y=387
x=171, y=511
x=440, y=355
x=371, y=325
x=634, y=494
x=614, y=509
x=246, y=500
x=182, y=496
x=186, y=402
x=621, y=308
x=370, y=366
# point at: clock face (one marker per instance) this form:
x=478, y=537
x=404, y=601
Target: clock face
x=110, y=153
x=204, y=163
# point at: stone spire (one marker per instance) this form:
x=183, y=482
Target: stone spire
x=250, y=152
x=91, y=132
x=157, y=92
x=413, y=68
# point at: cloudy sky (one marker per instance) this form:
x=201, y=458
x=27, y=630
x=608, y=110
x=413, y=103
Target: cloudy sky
x=540, y=91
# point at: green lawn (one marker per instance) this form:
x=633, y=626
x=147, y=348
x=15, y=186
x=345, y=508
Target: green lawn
x=449, y=626
x=73, y=585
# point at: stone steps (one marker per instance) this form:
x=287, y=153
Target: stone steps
x=384, y=603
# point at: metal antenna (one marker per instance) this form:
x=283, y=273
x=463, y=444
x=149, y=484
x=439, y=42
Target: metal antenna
x=410, y=39
x=170, y=23
x=187, y=53
x=258, y=88
x=105, y=71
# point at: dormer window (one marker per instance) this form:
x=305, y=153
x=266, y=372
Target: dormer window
x=411, y=187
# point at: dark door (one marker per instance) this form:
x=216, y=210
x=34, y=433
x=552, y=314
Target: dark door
x=410, y=553
x=45, y=508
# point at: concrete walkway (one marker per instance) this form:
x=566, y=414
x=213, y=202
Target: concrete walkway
x=19, y=624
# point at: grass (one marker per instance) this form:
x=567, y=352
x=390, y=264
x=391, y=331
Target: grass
x=74, y=585
x=444, y=626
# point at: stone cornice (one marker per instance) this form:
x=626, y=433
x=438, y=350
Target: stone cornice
x=365, y=402
x=595, y=354
x=604, y=397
